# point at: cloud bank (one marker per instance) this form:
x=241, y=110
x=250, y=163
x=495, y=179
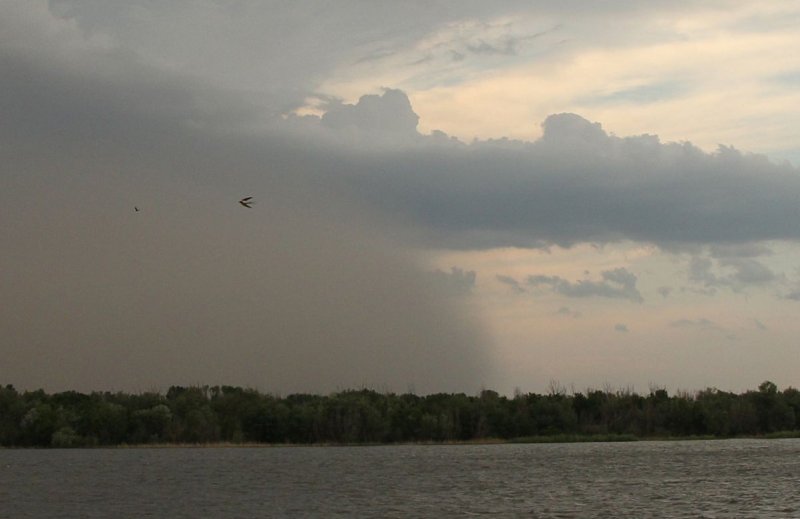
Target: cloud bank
x=306, y=291
x=577, y=183
x=580, y=184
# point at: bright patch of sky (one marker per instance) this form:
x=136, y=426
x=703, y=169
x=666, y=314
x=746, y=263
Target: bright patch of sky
x=703, y=73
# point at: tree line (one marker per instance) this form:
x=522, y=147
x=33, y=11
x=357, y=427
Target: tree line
x=203, y=414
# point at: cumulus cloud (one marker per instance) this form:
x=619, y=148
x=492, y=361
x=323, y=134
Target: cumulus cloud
x=389, y=113
x=616, y=284
x=576, y=184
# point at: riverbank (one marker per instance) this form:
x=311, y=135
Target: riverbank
x=547, y=439
x=243, y=417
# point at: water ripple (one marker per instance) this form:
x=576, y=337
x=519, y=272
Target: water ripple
x=707, y=479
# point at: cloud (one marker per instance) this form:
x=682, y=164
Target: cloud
x=700, y=271
x=688, y=323
x=621, y=328
x=664, y=291
x=576, y=184
x=507, y=47
x=746, y=271
x=511, y=282
x=310, y=290
x=616, y=284
x=456, y=282
x=388, y=113
x=457, y=56
x=642, y=94
x=703, y=325
x=739, y=250
x=568, y=312
x=794, y=295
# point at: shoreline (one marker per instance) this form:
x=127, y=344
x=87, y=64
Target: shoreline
x=622, y=438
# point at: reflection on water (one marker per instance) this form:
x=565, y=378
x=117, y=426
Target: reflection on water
x=714, y=479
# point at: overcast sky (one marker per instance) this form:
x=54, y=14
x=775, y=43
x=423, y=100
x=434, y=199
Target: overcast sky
x=449, y=196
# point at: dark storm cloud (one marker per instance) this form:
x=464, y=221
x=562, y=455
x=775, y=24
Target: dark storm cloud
x=576, y=184
x=305, y=291
x=616, y=284
x=70, y=90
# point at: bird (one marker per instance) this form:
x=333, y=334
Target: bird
x=247, y=202
x=136, y=209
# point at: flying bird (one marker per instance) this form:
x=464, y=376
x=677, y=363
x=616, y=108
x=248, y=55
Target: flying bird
x=136, y=209
x=247, y=202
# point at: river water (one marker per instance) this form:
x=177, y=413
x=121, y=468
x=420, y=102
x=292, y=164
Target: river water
x=711, y=479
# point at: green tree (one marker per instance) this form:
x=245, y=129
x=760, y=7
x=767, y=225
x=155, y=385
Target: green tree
x=152, y=425
x=12, y=409
x=103, y=422
x=39, y=424
x=774, y=414
x=265, y=420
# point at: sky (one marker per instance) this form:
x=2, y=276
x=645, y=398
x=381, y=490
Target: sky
x=449, y=195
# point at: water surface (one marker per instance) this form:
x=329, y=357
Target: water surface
x=712, y=479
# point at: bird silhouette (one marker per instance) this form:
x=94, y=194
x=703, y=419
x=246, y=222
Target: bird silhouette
x=247, y=202
x=136, y=209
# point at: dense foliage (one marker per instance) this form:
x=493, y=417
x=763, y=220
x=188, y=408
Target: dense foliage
x=236, y=415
